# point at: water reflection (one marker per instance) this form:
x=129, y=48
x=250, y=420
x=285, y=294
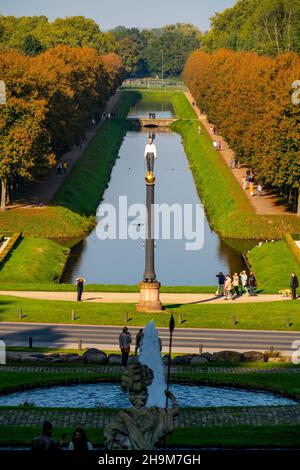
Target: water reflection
x=113, y=396
x=122, y=261
x=162, y=109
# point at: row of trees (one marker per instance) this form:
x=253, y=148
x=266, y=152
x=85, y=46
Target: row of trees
x=265, y=26
x=51, y=100
x=248, y=97
x=140, y=50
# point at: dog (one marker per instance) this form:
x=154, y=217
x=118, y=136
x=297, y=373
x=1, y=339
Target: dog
x=285, y=293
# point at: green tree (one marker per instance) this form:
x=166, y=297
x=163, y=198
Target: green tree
x=267, y=27
x=31, y=45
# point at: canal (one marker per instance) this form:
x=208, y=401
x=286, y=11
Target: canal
x=122, y=261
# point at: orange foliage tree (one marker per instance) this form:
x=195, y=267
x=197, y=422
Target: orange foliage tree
x=248, y=98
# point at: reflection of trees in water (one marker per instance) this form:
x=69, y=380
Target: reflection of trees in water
x=74, y=260
x=230, y=251
x=145, y=107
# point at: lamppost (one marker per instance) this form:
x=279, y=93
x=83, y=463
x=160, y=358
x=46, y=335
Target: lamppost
x=149, y=287
x=162, y=67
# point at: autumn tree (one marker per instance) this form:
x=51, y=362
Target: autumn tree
x=51, y=100
x=248, y=97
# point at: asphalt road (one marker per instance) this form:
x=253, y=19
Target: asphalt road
x=106, y=337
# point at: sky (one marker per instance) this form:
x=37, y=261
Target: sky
x=111, y=13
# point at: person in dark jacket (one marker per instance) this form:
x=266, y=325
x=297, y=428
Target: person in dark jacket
x=221, y=278
x=138, y=340
x=252, y=283
x=294, y=284
x=44, y=443
x=124, y=343
x=79, y=282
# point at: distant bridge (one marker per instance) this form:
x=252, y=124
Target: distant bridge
x=152, y=123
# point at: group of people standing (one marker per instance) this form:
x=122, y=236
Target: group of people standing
x=248, y=181
x=236, y=285
x=45, y=444
x=125, y=341
x=62, y=167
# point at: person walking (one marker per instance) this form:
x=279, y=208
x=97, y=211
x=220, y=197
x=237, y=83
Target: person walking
x=244, y=183
x=80, y=282
x=219, y=145
x=138, y=340
x=150, y=154
x=59, y=168
x=221, y=278
x=252, y=283
x=228, y=287
x=230, y=163
x=251, y=188
x=244, y=280
x=44, y=443
x=259, y=189
x=65, y=167
x=80, y=443
x=235, y=283
x=294, y=284
x=215, y=145
x=125, y=341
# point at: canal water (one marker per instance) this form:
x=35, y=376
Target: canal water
x=122, y=261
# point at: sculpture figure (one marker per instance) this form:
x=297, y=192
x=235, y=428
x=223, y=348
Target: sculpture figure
x=139, y=428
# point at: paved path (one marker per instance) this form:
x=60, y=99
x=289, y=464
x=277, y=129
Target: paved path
x=118, y=370
x=266, y=204
x=238, y=416
x=42, y=191
x=184, y=339
x=133, y=297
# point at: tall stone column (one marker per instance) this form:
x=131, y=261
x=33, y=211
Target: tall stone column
x=149, y=288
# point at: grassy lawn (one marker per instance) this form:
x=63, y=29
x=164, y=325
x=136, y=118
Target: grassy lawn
x=35, y=259
x=46, y=222
x=237, y=436
x=261, y=316
x=227, y=436
x=273, y=264
x=280, y=382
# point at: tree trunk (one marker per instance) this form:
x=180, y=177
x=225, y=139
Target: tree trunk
x=3, y=194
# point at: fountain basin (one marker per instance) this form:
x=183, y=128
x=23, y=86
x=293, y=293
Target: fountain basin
x=111, y=395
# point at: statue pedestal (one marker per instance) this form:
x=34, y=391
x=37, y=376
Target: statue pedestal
x=149, y=297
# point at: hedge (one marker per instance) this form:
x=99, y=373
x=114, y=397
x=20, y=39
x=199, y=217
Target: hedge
x=10, y=245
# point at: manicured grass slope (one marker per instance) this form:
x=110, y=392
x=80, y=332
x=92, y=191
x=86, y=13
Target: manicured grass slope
x=264, y=316
x=34, y=259
x=46, y=222
x=273, y=264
